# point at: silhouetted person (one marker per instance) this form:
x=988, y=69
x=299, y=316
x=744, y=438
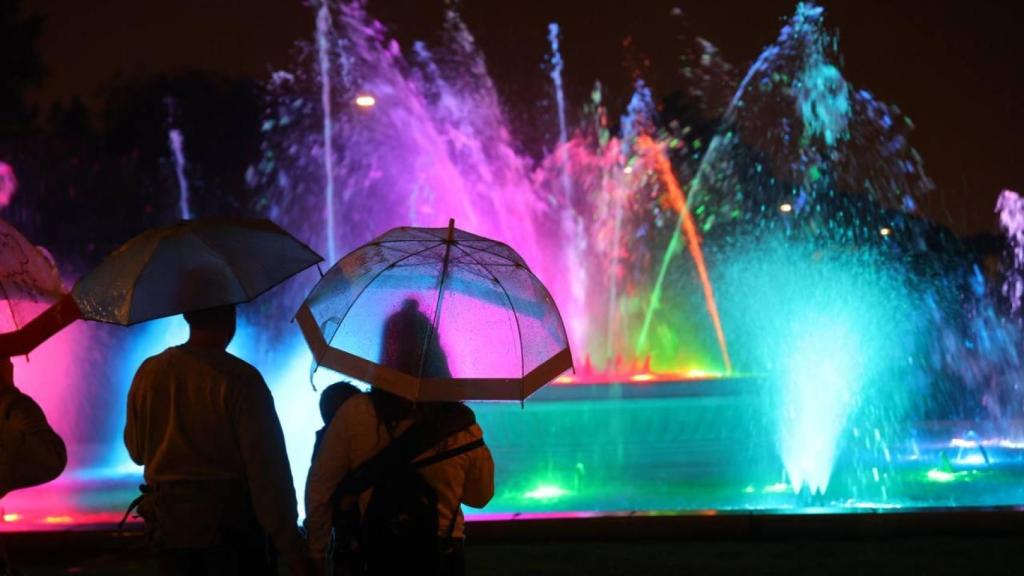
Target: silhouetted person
x=331, y=400
x=203, y=424
x=31, y=453
x=405, y=348
x=364, y=427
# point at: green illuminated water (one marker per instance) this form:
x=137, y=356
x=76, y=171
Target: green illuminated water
x=705, y=448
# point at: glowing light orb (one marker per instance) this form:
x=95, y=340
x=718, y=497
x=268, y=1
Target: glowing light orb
x=546, y=492
x=366, y=101
x=941, y=476
x=778, y=488
x=58, y=520
x=885, y=231
x=786, y=207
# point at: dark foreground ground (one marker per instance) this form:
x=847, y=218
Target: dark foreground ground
x=958, y=543
x=904, y=557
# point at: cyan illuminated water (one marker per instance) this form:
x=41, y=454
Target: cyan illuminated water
x=771, y=234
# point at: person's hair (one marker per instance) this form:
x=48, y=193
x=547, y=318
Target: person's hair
x=390, y=409
x=209, y=316
x=333, y=397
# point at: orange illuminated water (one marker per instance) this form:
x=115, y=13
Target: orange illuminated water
x=660, y=162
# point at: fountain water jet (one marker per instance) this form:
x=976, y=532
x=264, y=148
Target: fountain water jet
x=323, y=31
x=858, y=358
x=177, y=142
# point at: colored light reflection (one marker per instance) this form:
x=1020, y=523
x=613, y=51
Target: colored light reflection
x=998, y=442
x=603, y=378
x=546, y=492
x=58, y=520
x=936, y=475
x=663, y=167
x=778, y=488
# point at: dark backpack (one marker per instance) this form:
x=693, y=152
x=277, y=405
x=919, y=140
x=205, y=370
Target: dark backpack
x=398, y=532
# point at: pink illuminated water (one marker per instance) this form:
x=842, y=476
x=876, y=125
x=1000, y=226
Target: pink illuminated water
x=8, y=184
x=1010, y=207
x=605, y=218
x=437, y=145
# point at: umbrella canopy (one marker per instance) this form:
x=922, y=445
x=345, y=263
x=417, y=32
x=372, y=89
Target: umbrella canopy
x=189, y=266
x=437, y=314
x=192, y=265
x=29, y=281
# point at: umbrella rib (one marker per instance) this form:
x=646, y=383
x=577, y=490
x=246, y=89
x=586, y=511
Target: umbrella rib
x=519, y=329
x=437, y=314
x=10, y=304
x=372, y=280
x=467, y=266
x=227, y=262
x=138, y=272
x=496, y=255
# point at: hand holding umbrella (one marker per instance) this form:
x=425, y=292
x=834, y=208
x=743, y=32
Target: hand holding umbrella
x=188, y=266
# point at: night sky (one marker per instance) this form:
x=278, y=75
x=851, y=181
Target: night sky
x=954, y=67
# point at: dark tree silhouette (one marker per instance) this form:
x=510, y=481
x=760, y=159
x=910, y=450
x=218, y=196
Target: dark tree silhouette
x=20, y=64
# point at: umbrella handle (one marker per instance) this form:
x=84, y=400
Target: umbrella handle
x=25, y=339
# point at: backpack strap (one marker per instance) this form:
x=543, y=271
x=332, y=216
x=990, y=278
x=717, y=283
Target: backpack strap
x=441, y=457
x=448, y=454
x=416, y=440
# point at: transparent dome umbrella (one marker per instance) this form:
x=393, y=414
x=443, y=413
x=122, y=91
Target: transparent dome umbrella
x=437, y=314
x=192, y=265
x=29, y=281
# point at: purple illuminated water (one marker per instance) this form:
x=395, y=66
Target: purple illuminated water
x=875, y=339
x=323, y=38
x=177, y=148
x=1010, y=207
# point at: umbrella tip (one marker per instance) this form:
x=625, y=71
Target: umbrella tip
x=451, y=229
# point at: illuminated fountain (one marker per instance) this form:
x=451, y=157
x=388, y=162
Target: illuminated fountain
x=177, y=142
x=760, y=318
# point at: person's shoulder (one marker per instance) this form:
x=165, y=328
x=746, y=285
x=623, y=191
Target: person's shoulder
x=474, y=432
x=239, y=367
x=154, y=365
x=17, y=403
x=218, y=361
x=239, y=374
x=158, y=360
